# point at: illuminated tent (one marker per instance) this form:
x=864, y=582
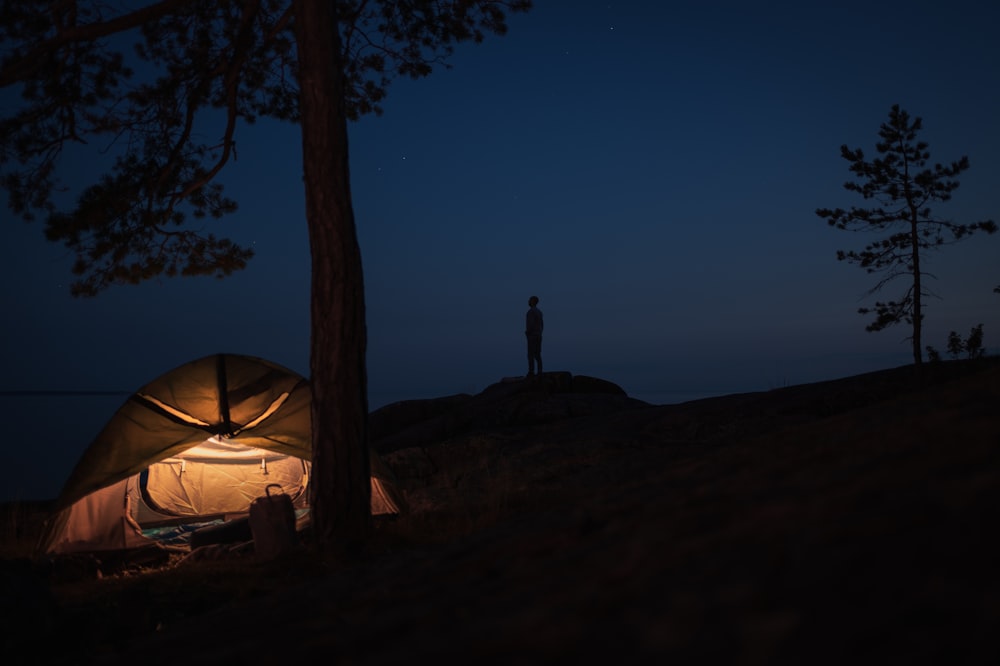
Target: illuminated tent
x=194, y=447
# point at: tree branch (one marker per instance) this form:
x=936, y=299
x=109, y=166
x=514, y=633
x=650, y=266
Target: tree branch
x=20, y=68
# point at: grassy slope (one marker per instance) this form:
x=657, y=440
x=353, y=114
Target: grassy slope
x=838, y=522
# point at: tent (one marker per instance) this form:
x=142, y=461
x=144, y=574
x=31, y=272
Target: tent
x=193, y=449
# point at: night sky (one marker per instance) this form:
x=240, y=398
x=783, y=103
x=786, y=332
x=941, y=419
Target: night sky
x=649, y=170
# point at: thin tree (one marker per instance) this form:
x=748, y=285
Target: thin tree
x=145, y=85
x=901, y=188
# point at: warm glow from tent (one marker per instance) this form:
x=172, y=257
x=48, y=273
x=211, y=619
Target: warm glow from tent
x=278, y=402
x=215, y=449
x=187, y=418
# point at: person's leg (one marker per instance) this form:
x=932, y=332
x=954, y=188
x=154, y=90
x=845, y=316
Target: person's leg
x=534, y=354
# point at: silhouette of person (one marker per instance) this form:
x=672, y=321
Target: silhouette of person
x=533, y=325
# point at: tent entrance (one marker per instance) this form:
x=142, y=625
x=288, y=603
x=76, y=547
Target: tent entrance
x=219, y=477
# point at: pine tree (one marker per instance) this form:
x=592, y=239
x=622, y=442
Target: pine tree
x=901, y=186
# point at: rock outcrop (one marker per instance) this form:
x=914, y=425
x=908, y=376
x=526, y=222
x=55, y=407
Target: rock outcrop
x=517, y=402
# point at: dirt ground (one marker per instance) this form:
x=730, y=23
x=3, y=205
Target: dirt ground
x=846, y=522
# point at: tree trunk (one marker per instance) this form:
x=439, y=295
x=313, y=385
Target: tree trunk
x=340, y=485
x=918, y=319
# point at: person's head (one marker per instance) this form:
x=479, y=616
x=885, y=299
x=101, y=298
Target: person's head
x=533, y=301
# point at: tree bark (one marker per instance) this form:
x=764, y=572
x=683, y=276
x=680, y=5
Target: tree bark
x=918, y=317
x=341, y=485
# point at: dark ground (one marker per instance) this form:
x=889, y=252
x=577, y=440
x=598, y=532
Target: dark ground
x=845, y=522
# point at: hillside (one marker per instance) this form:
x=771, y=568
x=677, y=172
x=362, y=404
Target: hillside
x=840, y=522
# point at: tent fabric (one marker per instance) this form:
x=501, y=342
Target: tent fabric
x=186, y=487
x=102, y=519
x=201, y=441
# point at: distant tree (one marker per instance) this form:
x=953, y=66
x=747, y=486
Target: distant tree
x=147, y=84
x=901, y=188
x=971, y=347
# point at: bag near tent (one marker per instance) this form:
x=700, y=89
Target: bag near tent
x=272, y=523
x=192, y=450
